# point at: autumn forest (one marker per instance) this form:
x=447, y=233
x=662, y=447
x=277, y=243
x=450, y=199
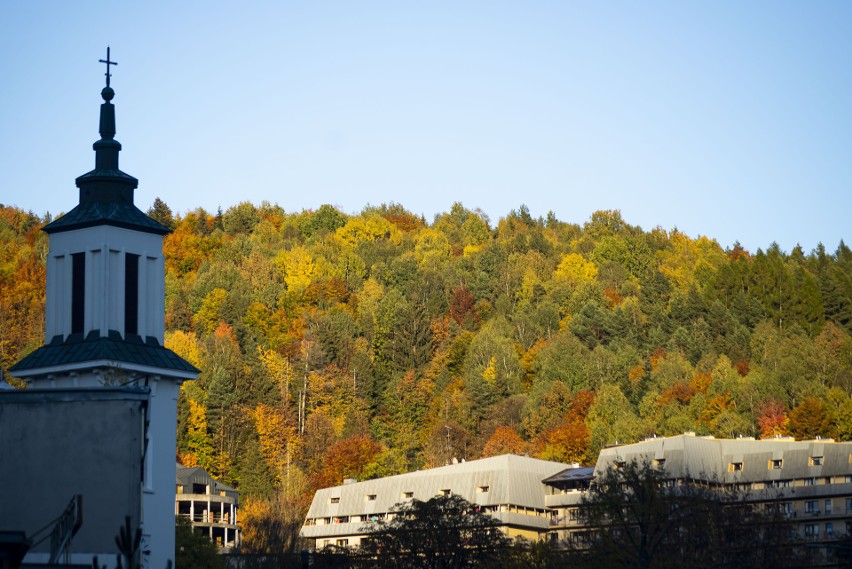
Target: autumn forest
x=335, y=345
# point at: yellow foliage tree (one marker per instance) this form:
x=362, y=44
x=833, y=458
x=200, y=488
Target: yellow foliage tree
x=489, y=374
x=279, y=369
x=199, y=447
x=207, y=318
x=298, y=268
x=278, y=441
x=368, y=228
x=184, y=344
x=690, y=262
x=431, y=247
x=575, y=269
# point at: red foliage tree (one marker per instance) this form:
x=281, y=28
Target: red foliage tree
x=461, y=307
x=771, y=419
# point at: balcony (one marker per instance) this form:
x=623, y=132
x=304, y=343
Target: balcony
x=213, y=515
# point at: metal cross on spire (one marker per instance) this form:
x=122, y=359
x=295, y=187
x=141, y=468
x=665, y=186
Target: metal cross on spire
x=108, y=63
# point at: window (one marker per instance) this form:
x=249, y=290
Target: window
x=408, y=495
x=735, y=467
x=848, y=505
x=815, y=461
x=78, y=291
x=812, y=507
x=811, y=530
x=445, y=492
x=810, y=481
x=481, y=489
x=828, y=507
x=334, y=500
x=660, y=462
x=787, y=508
x=131, y=294
x=342, y=542
x=776, y=464
x=829, y=530
x=370, y=498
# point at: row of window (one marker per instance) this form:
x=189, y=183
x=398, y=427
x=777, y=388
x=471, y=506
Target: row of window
x=812, y=531
x=409, y=495
x=812, y=508
x=376, y=516
x=773, y=464
x=798, y=482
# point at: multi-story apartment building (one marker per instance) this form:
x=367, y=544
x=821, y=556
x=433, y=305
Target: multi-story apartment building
x=509, y=487
x=809, y=481
x=210, y=505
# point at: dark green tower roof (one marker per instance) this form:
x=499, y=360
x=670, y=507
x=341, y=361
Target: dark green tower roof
x=106, y=193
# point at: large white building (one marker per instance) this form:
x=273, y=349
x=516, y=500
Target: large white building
x=809, y=481
x=509, y=487
x=104, y=327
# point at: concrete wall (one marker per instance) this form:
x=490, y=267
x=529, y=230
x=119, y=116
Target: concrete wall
x=60, y=442
x=158, y=517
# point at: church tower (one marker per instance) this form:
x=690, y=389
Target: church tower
x=104, y=321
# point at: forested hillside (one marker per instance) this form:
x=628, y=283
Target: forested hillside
x=336, y=346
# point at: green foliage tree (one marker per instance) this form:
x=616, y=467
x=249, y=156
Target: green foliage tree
x=194, y=550
x=161, y=213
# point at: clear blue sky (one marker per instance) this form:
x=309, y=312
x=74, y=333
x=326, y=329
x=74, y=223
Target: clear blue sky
x=721, y=118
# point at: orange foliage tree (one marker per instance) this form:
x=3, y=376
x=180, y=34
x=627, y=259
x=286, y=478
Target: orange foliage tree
x=345, y=459
x=505, y=440
x=809, y=419
x=569, y=441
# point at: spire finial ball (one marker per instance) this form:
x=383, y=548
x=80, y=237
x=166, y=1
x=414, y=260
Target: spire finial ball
x=107, y=93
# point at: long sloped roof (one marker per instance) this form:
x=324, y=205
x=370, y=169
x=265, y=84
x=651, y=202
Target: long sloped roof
x=712, y=459
x=504, y=479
